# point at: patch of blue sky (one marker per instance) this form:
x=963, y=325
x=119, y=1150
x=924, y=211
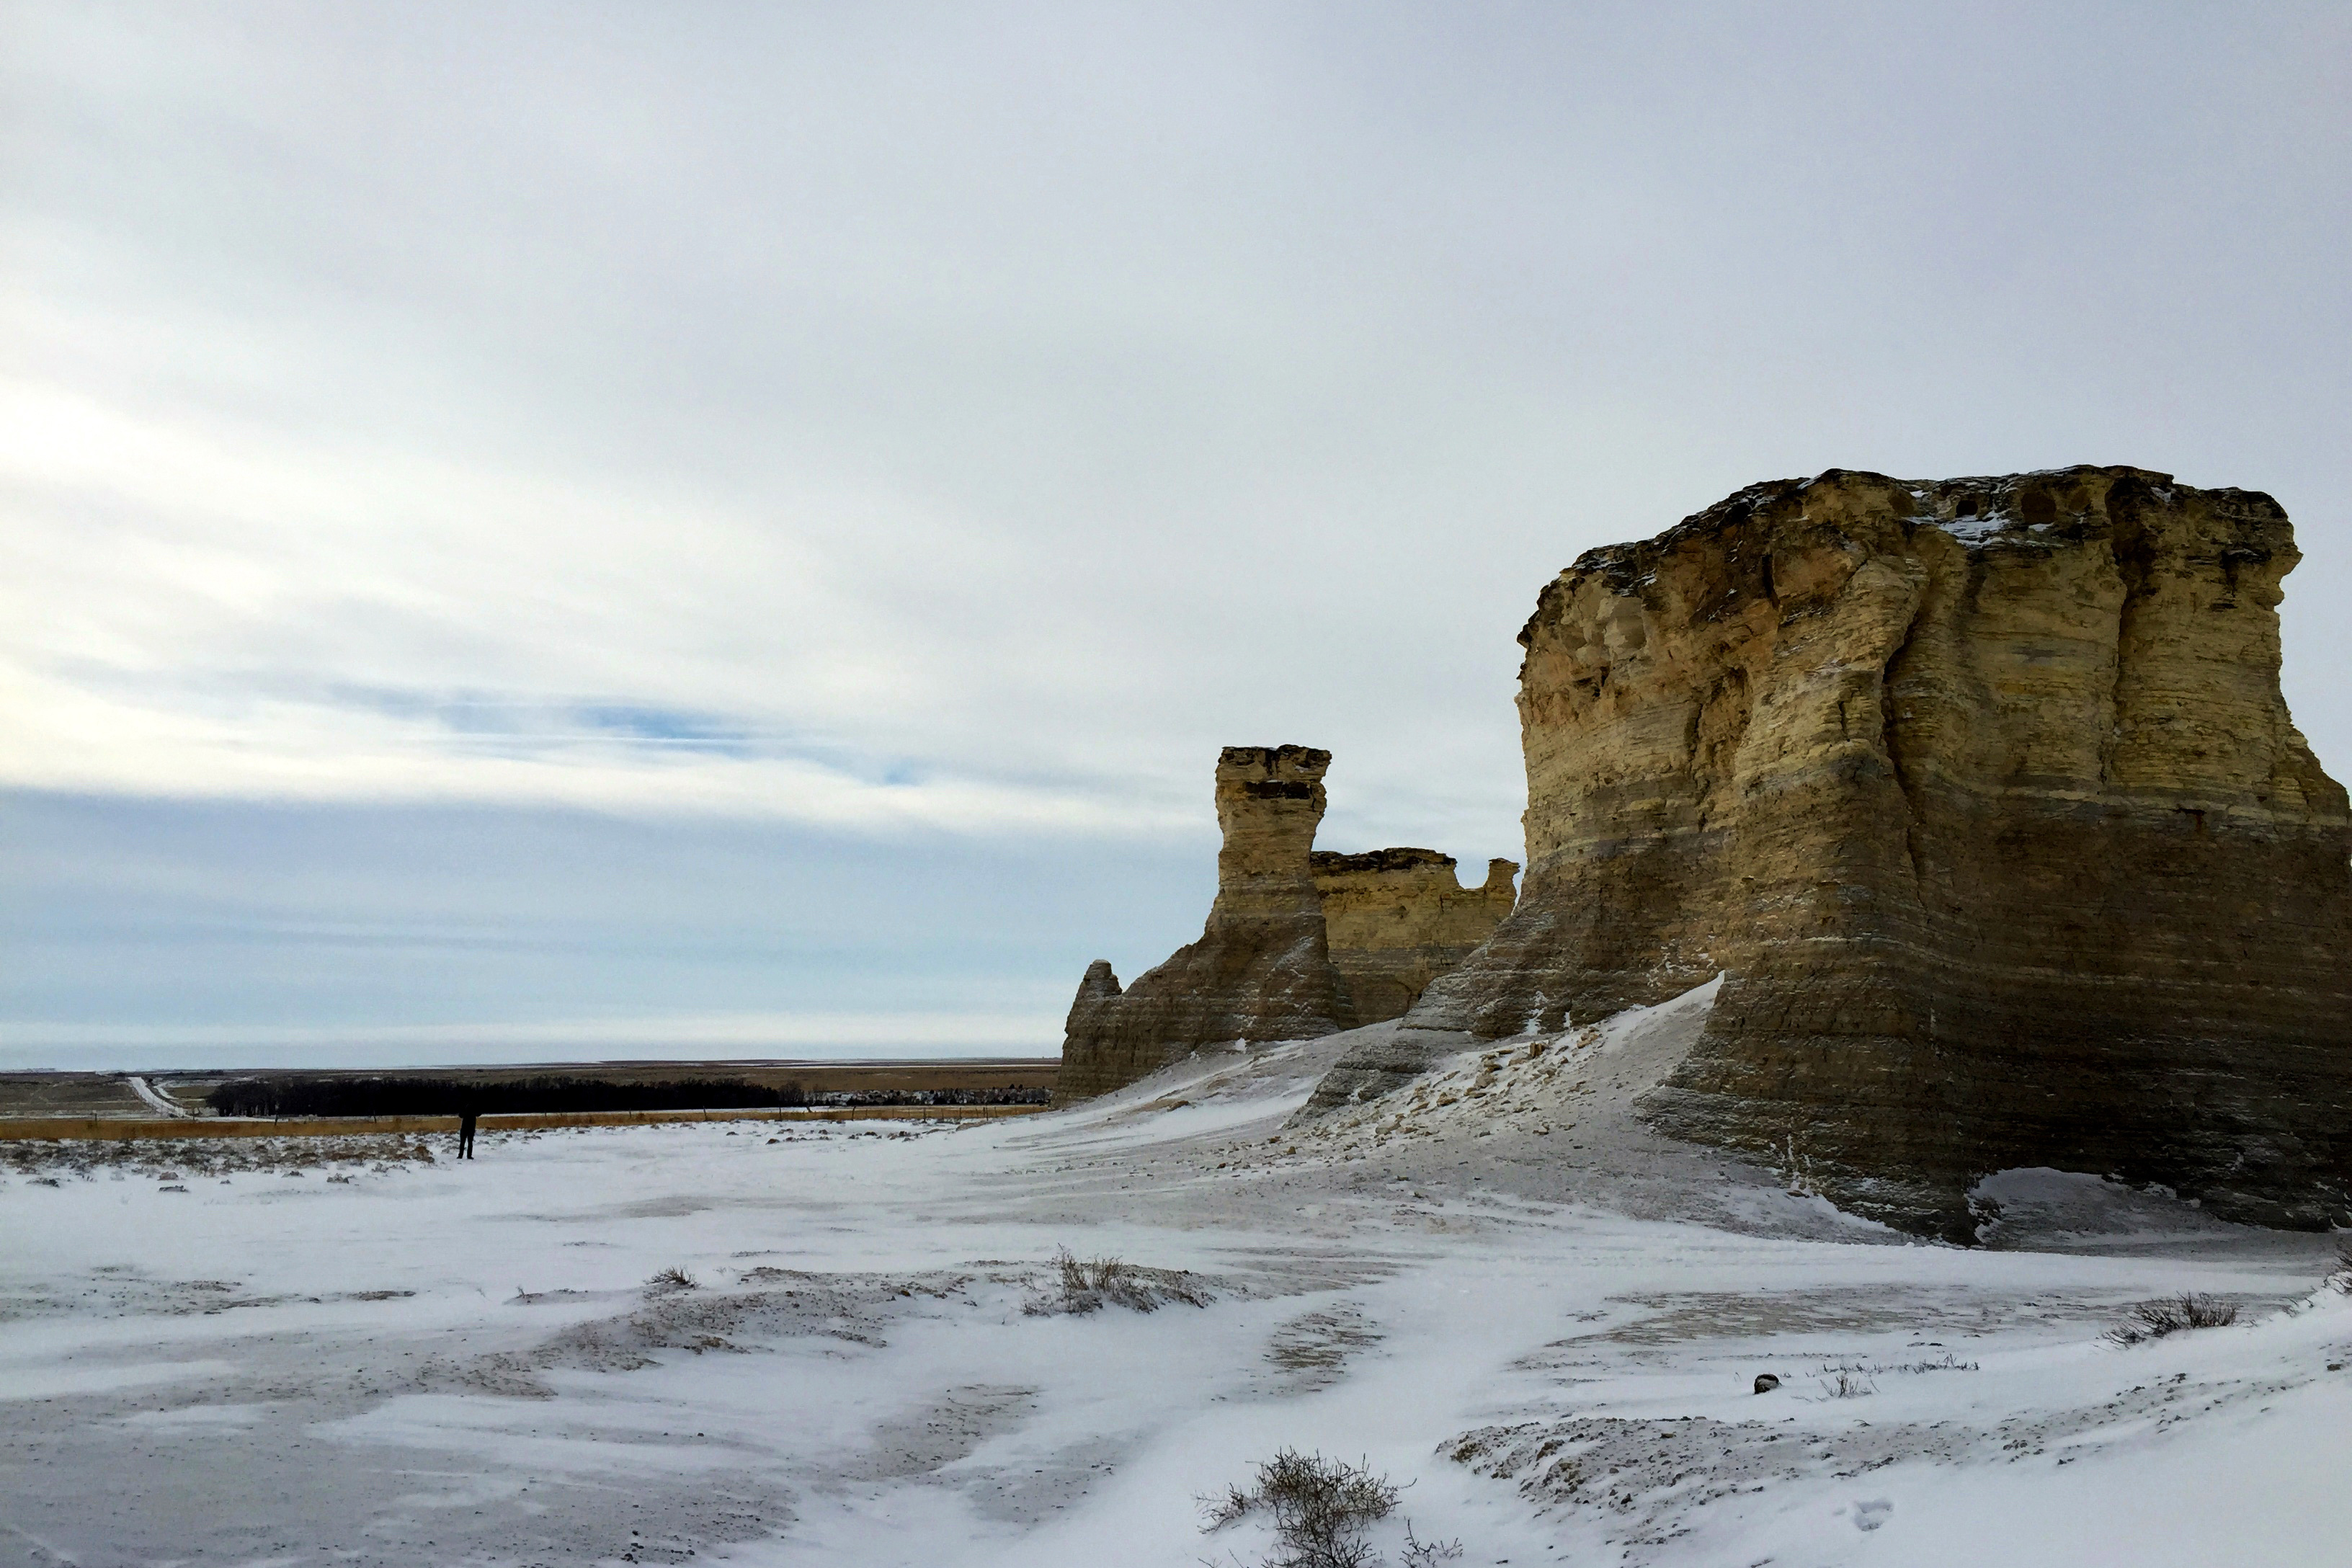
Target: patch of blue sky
x=675, y=728
x=528, y=722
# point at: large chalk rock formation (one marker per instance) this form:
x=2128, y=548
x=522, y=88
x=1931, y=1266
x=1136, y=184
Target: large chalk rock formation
x=1395, y=919
x=1984, y=794
x=1297, y=943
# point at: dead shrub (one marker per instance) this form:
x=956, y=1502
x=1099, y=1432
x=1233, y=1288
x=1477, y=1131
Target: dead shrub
x=2189, y=1309
x=1321, y=1508
x=1846, y=1386
x=1419, y=1553
x=2339, y=1279
x=671, y=1279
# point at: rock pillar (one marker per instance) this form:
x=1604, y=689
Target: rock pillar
x=1261, y=970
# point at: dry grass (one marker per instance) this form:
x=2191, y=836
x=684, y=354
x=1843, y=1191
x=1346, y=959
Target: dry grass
x=1947, y=1362
x=1088, y=1286
x=48, y=1162
x=2155, y=1319
x=671, y=1279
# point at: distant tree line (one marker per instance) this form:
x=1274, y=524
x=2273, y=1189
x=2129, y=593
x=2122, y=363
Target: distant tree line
x=1006, y=1096
x=370, y=1095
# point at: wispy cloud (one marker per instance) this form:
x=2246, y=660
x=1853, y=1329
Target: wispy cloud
x=220, y=615
x=247, y=742
x=979, y=424
x=789, y=422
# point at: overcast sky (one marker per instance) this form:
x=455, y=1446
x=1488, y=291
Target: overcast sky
x=553, y=530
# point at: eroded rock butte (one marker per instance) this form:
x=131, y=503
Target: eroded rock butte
x=1298, y=943
x=1984, y=794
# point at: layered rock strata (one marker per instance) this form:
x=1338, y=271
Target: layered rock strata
x=1297, y=943
x=1262, y=969
x=1395, y=919
x=1984, y=794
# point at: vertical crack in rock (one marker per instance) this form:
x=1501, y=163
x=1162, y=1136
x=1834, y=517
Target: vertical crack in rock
x=1983, y=793
x=1890, y=727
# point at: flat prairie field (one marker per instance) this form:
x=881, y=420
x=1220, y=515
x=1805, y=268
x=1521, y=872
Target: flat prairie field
x=889, y=1344
x=24, y=1094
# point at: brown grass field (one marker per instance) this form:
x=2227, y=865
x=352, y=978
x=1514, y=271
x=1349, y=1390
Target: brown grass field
x=100, y=1098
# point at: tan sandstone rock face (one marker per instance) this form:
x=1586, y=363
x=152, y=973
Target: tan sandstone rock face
x=1984, y=794
x=1260, y=970
x=1297, y=943
x=1397, y=918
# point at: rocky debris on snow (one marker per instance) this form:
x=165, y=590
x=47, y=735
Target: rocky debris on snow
x=1299, y=944
x=1528, y=1086
x=1983, y=793
x=1312, y=1351
x=1579, y=1086
x=1647, y=1481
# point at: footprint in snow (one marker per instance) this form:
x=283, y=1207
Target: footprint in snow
x=1872, y=1514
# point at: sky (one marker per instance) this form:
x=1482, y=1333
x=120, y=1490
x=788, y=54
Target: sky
x=531, y=531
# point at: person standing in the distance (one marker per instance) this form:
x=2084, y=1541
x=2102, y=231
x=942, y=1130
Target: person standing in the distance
x=466, y=1120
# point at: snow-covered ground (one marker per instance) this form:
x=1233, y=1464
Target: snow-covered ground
x=1540, y=1319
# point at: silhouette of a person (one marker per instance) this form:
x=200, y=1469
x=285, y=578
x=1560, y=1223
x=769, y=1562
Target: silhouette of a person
x=466, y=1120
